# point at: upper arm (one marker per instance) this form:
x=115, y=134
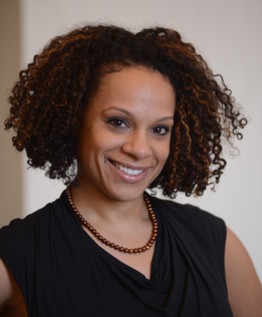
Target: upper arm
x=10, y=294
x=6, y=286
x=244, y=288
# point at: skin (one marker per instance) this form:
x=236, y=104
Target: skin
x=244, y=287
x=128, y=123
x=123, y=146
x=11, y=299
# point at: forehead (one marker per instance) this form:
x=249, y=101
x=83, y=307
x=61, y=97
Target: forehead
x=136, y=83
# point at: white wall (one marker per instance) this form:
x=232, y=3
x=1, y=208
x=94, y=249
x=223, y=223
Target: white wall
x=228, y=34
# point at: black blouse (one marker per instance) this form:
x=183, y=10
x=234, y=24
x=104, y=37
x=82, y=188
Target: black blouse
x=61, y=271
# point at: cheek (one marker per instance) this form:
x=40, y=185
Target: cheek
x=99, y=144
x=163, y=152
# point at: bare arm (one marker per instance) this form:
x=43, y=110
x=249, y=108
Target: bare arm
x=11, y=299
x=244, y=288
x=6, y=287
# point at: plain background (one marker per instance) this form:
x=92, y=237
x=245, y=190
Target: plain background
x=226, y=32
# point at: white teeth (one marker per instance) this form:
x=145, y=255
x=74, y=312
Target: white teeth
x=128, y=171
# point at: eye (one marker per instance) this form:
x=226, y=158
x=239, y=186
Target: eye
x=161, y=130
x=118, y=122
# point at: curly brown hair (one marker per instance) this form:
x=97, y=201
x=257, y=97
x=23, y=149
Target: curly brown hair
x=48, y=102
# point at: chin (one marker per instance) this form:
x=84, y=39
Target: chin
x=127, y=194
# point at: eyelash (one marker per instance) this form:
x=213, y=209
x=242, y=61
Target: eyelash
x=119, y=122
x=159, y=128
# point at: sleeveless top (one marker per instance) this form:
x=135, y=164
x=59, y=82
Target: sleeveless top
x=61, y=271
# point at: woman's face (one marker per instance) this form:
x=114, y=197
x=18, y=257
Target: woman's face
x=125, y=136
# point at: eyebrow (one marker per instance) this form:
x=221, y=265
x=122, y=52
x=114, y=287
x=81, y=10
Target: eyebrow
x=131, y=115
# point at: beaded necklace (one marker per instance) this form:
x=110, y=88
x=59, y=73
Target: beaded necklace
x=110, y=244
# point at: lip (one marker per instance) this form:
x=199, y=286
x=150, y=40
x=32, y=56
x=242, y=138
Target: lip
x=139, y=171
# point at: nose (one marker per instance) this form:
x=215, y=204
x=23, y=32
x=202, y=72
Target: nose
x=137, y=144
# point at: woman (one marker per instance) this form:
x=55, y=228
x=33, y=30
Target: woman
x=114, y=113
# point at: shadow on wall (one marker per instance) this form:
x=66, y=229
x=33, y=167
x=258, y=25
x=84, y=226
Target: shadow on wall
x=10, y=159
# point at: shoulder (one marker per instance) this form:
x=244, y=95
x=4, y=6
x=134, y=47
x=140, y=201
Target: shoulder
x=190, y=218
x=22, y=230
x=244, y=288
x=196, y=229
x=19, y=238
x=26, y=225
x=20, y=241
x=183, y=210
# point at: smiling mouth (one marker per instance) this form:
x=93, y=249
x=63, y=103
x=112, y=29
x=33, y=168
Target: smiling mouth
x=127, y=170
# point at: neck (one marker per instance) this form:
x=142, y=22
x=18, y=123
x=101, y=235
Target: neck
x=95, y=205
x=113, y=245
